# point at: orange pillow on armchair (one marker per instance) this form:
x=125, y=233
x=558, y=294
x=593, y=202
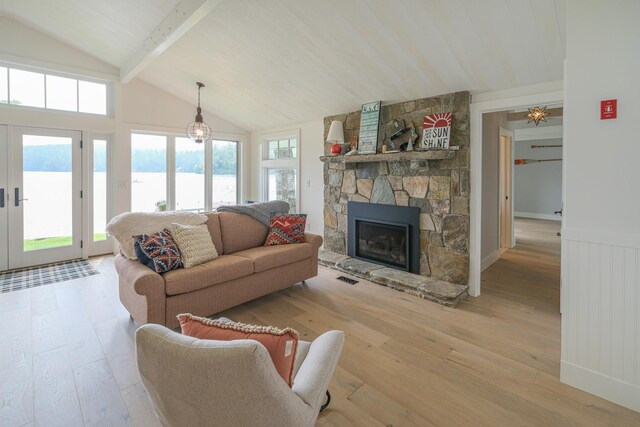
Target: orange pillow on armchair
x=281, y=344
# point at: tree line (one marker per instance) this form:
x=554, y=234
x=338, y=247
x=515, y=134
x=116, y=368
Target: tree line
x=57, y=158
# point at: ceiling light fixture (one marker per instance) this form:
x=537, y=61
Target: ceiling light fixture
x=198, y=131
x=536, y=114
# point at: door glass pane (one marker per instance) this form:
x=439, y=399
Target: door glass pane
x=281, y=185
x=189, y=175
x=225, y=171
x=62, y=93
x=27, y=88
x=4, y=86
x=99, y=189
x=148, y=173
x=92, y=97
x=47, y=192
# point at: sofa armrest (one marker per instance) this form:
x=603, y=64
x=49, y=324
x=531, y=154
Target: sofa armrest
x=142, y=291
x=314, y=240
x=317, y=369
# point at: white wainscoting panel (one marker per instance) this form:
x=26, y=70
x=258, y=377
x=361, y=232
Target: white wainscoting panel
x=601, y=316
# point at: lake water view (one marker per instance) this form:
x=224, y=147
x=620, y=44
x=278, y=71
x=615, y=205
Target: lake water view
x=47, y=212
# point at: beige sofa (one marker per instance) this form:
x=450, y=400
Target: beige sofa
x=244, y=270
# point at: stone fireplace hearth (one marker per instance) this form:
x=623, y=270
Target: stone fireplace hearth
x=438, y=187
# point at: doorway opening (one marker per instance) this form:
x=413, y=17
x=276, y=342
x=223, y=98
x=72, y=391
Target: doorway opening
x=521, y=207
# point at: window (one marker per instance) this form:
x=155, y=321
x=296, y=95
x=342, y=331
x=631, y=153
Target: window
x=224, y=183
x=100, y=194
x=92, y=97
x=148, y=173
x=169, y=172
x=280, y=164
x=4, y=85
x=282, y=149
x=26, y=88
x=44, y=90
x=281, y=185
x=62, y=93
x=189, y=175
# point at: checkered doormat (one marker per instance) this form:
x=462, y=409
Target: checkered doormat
x=31, y=277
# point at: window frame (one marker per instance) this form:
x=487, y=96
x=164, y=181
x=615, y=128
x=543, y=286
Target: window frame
x=109, y=88
x=279, y=163
x=208, y=165
x=96, y=247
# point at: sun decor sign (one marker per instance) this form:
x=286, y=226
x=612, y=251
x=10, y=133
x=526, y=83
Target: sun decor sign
x=436, y=131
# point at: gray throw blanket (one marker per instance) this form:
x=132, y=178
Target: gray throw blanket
x=261, y=211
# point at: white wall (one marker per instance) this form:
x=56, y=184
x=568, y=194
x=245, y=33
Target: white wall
x=311, y=170
x=136, y=105
x=601, y=238
x=537, y=187
x=491, y=124
x=23, y=45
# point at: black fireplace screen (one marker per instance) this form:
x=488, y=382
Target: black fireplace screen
x=382, y=242
x=384, y=234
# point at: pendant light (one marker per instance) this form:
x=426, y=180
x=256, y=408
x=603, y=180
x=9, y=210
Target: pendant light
x=536, y=114
x=198, y=131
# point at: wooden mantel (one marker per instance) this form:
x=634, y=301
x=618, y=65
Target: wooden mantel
x=391, y=157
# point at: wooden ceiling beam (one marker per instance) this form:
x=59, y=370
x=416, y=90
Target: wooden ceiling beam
x=182, y=18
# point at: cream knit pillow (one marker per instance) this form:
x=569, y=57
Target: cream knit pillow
x=194, y=242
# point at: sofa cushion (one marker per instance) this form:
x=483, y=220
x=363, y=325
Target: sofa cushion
x=240, y=232
x=268, y=257
x=285, y=229
x=220, y=270
x=161, y=249
x=195, y=244
x=280, y=343
x=213, y=224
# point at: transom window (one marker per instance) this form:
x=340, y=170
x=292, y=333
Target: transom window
x=44, y=90
x=280, y=165
x=281, y=149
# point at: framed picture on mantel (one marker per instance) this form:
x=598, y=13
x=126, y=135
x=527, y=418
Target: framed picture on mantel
x=369, y=121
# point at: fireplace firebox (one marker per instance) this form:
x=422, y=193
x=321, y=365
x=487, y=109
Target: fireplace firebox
x=385, y=234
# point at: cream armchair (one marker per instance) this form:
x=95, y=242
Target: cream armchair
x=194, y=382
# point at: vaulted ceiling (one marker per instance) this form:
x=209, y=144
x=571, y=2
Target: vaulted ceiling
x=273, y=63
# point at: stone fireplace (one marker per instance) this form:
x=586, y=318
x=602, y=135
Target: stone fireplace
x=437, y=186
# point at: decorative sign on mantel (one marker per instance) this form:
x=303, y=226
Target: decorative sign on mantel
x=436, y=131
x=369, y=121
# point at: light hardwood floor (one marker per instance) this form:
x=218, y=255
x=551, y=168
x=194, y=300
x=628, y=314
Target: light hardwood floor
x=67, y=350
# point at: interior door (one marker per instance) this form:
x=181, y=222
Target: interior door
x=4, y=200
x=506, y=193
x=45, y=209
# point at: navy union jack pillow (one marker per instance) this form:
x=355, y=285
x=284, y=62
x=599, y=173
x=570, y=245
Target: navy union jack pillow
x=285, y=229
x=158, y=251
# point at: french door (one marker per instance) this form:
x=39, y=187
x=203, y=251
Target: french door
x=4, y=199
x=41, y=212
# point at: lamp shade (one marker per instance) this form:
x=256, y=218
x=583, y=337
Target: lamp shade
x=336, y=134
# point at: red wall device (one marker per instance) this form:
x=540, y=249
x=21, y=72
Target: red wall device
x=608, y=109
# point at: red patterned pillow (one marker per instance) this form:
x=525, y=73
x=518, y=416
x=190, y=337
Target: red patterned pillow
x=285, y=229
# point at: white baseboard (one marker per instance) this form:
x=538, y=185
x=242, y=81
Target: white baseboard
x=620, y=392
x=490, y=259
x=538, y=216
